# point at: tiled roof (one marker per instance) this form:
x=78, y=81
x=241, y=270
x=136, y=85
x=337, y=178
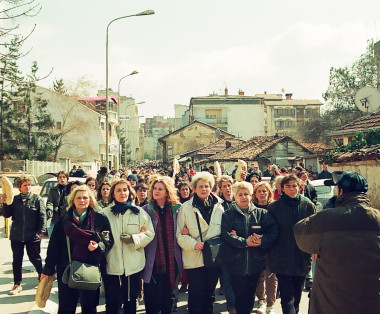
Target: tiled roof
x=219, y=146
x=316, y=148
x=251, y=148
x=365, y=123
x=366, y=153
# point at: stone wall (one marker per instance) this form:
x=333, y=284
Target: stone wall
x=370, y=169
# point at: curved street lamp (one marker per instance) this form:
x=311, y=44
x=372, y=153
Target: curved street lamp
x=147, y=12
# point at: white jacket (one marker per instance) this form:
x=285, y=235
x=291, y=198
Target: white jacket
x=186, y=218
x=129, y=258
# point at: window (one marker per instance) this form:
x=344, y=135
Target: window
x=170, y=150
x=102, y=125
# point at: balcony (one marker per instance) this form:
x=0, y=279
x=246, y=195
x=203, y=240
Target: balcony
x=213, y=121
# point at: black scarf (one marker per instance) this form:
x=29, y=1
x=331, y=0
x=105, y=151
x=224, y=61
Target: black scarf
x=206, y=206
x=121, y=208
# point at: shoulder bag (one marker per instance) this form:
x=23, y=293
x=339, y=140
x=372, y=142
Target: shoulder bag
x=212, y=249
x=80, y=275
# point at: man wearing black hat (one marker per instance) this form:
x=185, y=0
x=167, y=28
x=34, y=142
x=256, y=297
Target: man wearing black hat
x=346, y=241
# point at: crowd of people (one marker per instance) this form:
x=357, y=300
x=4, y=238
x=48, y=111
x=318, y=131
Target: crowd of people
x=147, y=230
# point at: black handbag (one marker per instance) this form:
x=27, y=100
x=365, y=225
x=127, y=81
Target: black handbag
x=212, y=249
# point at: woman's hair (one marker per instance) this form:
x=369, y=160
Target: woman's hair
x=205, y=176
x=184, y=183
x=23, y=178
x=288, y=178
x=141, y=186
x=99, y=193
x=242, y=186
x=81, y=188
x=253, y=174
x=172, y=197
x=224, y=178
x=132, y=193
x=270, y=192
x=65, y=173
x=90, y=179
x=71, y=183
x=276, y=180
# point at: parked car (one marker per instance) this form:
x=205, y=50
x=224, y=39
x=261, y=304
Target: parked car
x=49, y=183
x=13, y=176
x=324, y=192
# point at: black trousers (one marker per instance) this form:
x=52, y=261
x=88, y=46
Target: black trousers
x=121, y=290
x=290, y=288
x=33, y=249
x=202, y=283
x=68, y=299
x=244, y=288
x=158, y=295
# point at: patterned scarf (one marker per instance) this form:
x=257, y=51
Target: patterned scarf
x=165, y=259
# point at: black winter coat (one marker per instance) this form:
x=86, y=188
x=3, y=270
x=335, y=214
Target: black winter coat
x=57, y=255
x=285, y=257
x=248, y=260
x=28, y=219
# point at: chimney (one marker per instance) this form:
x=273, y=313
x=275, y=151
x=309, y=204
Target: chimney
x=241, y=93
x=226, y=91
x=288, y=96
x=228, y=144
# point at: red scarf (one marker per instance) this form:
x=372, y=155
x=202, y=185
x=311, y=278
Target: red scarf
x=165, y=258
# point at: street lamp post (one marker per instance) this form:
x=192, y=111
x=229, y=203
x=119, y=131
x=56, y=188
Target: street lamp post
x=118, y=107
x=147, y=12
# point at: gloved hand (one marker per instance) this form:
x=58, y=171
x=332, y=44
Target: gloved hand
x=126, y=238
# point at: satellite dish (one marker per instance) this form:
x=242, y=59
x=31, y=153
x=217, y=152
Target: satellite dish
x=367, y=99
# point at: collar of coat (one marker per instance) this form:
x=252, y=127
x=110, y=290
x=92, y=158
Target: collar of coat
x=352, y=198
x=217, y=199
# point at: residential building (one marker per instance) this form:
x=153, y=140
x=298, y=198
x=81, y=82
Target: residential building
x=154, y=128
x=81, y=129
x=194, y=135
x=345, y=134
x=247, y=116
x=129, y=125
x=261, y=150
x=285, y=115
x=179, y=111
x=243, y=116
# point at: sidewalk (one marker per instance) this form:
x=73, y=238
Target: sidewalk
x=23, y=302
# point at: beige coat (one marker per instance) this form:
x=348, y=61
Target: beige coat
x=186, y=218
x=129, y=258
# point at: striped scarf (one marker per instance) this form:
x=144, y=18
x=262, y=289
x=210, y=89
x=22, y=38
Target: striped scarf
x=165, y=258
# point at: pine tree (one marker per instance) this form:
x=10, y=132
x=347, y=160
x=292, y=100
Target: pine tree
x=11, y=80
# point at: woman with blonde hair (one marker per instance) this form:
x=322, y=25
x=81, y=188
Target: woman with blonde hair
x=164, y=260
x=267, y=285
x=276, y=187
x=132, y=231
x=90, y=238
x=207, y=209
x=249, y=231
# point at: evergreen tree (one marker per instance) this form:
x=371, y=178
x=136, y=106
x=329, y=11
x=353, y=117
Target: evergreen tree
x=11, y=80
x=59, y=86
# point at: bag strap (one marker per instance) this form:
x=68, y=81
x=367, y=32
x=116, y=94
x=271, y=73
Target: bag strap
x=199, y=226
x=92, y=221
x=68, y=248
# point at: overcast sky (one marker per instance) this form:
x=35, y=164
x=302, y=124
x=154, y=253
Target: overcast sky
x=195, y=48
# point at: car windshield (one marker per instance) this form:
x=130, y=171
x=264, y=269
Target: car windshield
x=322, y=189
x=13, y=179
x=46, y=187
